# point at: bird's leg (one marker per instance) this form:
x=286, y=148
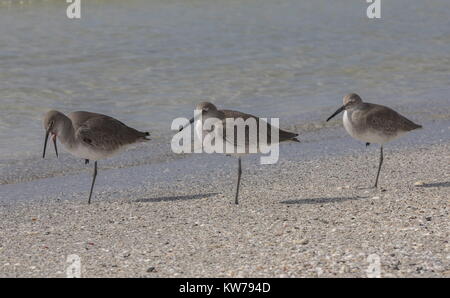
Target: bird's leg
x=86, y=161
x=367, y=144
x=379, y=167
x=93, y=181
x=238, y=181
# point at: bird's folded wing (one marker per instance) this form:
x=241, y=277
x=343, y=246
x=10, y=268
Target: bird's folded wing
x=388, y=120
x=106, y=133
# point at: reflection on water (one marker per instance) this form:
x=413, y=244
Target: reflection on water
x=147, y=62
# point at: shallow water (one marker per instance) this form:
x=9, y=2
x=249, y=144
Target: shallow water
x=148, y=62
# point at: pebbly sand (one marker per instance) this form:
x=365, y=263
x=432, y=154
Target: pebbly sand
x=307, y=216
x=157, y=214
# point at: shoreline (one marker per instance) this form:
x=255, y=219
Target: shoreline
x=141, y=168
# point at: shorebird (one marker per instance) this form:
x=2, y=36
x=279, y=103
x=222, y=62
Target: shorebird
x=372, y=123
x=209, y=110
x=90, y=136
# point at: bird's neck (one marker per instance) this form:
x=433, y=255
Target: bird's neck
x=352, y=109
x=66, y=133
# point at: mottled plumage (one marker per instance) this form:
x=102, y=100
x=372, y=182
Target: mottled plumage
x=227, y=117
x=209, y=111
x=90, y=136
x=104, y=133
x=282, y=134
x=373, y=123
x=378, y=117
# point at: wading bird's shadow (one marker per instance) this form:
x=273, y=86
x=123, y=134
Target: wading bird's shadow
x=321, y=200
x=436, y=184
x=177, y=198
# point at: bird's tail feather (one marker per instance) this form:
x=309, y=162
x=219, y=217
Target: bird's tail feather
x=145, y=135
x=288, y=136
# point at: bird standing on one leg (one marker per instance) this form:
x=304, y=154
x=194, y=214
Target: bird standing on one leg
x=90, y=136
x=372, y=123
x=208, y=111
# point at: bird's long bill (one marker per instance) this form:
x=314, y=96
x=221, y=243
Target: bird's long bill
x=47, y=133
x=187, y=124
x=54, y=143
x=45, y=142
x=190, y=122
x=337, y=112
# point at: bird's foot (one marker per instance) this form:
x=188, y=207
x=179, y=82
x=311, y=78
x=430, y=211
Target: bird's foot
x=362, y=187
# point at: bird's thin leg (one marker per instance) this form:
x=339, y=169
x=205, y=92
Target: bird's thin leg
x=379, y=167
x=238, y=181
x=93, y=181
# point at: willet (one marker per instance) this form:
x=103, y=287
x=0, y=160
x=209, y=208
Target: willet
x=372, y=123
x=208, y=110
x=90, y=136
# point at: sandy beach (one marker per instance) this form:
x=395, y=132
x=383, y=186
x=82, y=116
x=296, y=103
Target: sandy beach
x=155, y=213
x=310, y=218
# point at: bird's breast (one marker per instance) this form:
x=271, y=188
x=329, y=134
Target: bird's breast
x=86, y=152
x=358, y=129
x=349, y=125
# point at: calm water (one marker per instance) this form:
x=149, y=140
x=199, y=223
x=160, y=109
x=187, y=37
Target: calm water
x=147, y=62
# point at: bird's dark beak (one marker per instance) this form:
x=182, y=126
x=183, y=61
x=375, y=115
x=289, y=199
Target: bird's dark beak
x=47, y=133
x=190, y=122
x=45, y=142
x=54, y=143
x=337, y=112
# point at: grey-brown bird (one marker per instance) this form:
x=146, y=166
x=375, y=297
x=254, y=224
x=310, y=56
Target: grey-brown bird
x=90, y=136
x=249, y=144
x=372, y=123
